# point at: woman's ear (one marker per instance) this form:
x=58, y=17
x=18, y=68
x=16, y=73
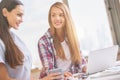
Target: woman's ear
x=4, y=12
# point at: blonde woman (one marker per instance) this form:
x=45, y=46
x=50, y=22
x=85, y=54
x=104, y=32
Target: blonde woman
x=59, y=47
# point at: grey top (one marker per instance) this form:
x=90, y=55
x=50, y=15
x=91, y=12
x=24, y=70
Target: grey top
x=21, y=72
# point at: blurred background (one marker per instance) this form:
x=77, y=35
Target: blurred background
x=94, y=21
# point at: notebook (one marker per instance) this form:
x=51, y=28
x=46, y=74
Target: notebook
x=99, y=60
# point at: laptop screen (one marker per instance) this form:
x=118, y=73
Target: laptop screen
x=102, y=59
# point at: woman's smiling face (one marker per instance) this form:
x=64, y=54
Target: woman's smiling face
x=57, y=18
x=14, y=17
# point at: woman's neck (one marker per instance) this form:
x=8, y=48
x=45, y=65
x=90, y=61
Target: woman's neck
x=61, y=35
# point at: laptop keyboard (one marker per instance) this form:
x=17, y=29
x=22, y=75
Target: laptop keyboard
x=105, y=73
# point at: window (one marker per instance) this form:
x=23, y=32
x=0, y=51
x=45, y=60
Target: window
x=91, y=23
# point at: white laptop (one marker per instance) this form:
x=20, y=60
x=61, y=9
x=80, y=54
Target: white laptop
x=99, y=60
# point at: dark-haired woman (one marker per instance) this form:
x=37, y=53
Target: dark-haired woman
x=15, y=60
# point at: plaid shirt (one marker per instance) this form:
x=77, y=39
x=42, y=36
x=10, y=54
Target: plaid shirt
x=47, y=56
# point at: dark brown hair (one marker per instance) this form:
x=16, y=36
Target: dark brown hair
x=13, y=55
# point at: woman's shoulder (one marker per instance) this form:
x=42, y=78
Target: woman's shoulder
x=45, y=38
x=2, y=43
x=14, y=36
x=2, y=50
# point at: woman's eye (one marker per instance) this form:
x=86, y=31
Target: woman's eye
x=19, y=15
x=61, y=15
x=52, y=15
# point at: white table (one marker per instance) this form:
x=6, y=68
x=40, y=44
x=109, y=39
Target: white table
x=110, y=74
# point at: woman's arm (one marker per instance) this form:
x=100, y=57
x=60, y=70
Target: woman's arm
x=31, y=77
x=52, y=76
x=3, y=73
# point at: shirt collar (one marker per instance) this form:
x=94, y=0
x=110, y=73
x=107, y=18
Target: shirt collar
x=48, y=34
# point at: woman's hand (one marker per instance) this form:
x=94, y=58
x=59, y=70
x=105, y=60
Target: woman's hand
x=67, y=74
x=84, y=69
x=52, y=76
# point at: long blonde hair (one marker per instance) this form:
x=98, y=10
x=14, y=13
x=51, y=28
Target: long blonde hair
x=71, y=35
